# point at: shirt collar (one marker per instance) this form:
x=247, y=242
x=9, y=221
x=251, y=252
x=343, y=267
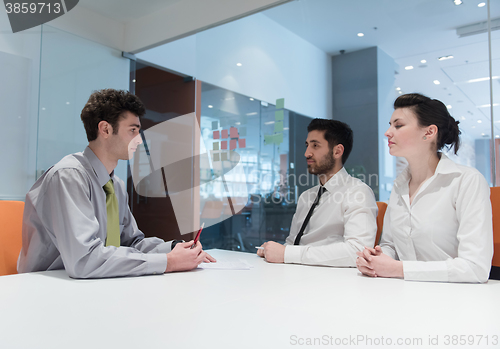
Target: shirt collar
x=445, y=166
x=98, y=167
x=337, y=179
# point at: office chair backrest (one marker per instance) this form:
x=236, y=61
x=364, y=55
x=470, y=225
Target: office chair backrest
x=11, y=221
x=495, y=206
x=382, y=207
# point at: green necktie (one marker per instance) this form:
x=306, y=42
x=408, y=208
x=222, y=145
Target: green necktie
x=113, y=238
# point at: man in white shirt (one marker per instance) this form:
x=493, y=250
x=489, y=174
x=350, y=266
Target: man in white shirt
x=335, y=219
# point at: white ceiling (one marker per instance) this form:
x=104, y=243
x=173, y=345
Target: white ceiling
x=126, y=10
x=404, y=28
x=410, y=31
x=137, y=25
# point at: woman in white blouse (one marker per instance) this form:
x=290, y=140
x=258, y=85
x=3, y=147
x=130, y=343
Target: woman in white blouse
x=438, y=225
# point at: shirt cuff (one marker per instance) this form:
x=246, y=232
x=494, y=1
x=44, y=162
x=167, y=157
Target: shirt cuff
x=156, y=263
x=293, y=253
x=425, y=271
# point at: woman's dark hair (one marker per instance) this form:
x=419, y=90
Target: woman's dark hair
x=336, y=132
x=432, y=112
x=109, y=105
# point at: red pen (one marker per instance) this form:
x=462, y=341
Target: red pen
x=198, y=235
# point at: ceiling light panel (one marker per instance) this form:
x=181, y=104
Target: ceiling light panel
x=444, y=58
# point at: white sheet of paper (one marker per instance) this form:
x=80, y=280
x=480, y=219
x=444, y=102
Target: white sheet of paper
x=227, y=264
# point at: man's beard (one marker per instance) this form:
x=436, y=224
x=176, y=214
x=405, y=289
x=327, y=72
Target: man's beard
x=326, y=165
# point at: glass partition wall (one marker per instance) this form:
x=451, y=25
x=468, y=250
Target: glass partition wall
x=333, y=59
x=48, y=75
x=71, y=68
x=325, y=58
x=259, y=133
x=19, y=69
x=248, y=185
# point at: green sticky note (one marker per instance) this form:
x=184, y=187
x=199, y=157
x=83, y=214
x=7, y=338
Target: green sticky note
x=279, y=115
x=268, y=139
x=224, y=156
x=243, y=131
x=216, y=145
x=278, y=138
x=280, y=103
x=278, y=126
x=216, y=156
x=215, y=125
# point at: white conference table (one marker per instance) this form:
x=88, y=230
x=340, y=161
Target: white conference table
x=268, y=306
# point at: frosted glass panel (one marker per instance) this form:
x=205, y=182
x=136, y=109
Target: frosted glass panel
x=19, y=71
x=71, y=69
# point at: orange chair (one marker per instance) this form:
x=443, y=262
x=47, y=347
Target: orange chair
x=382, y=207
x=11, y=220
x=495, y=206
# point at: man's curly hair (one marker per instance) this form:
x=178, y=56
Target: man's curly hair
x=109, y=105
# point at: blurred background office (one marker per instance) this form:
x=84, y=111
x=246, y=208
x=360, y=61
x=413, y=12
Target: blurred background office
x=261, y=68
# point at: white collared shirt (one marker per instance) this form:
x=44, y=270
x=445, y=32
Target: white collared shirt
x=446, y=233
x=342, y=224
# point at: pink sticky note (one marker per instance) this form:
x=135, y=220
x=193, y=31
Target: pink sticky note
x=223, y=145
x=216, y=135
x=242, y=143
x=232, y=144
x=234, y=132
x=224, y=134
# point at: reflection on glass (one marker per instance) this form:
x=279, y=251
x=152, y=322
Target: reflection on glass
x=19, y=69
x=67, y=79
x=292, y=50
x=169, y=158
x=259, y=133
